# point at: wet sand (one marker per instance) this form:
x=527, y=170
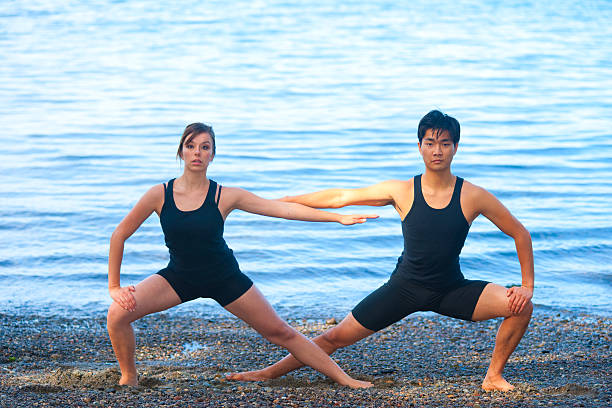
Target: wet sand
x=564, y=360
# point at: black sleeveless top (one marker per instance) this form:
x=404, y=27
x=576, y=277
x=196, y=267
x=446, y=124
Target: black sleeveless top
x=433, y=239
x=195, y=238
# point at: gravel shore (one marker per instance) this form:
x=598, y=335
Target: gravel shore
x=424, y=361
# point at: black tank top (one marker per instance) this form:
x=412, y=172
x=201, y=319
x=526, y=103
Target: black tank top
x=433, y=239
x=195, y=238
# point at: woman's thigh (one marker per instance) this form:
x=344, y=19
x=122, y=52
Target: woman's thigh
x=253, y=308
x=153, y=294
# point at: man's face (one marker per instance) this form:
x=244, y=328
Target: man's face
x=437, y=149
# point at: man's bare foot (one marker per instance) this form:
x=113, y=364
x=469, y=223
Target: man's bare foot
x=248, y=376
x=359, y=384
x=496, y=384
x=133, y=381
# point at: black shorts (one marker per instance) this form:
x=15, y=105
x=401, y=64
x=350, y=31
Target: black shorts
x=224, y=291
x=397, y=299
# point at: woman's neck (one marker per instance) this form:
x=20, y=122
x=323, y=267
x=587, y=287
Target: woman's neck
x=193, y=180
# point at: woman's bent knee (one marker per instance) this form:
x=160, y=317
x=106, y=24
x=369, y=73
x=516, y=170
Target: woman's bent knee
x=527, y=310
x=282, y=334
x=117, y=316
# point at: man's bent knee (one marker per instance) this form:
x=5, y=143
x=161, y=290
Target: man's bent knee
x=524, y=314
x=335, y=339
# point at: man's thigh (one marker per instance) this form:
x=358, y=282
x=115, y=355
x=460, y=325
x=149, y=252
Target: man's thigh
x=493, y=302
x=388, y=304
x=462, y=301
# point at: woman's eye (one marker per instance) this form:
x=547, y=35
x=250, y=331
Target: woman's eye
x=205, y=147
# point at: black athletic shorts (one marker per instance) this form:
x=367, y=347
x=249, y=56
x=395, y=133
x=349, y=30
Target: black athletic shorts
x=398, y=298
x=223, y=291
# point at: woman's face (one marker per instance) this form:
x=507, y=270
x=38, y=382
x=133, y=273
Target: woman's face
x=197, y=153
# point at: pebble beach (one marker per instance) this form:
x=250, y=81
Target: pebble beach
x=423, y=361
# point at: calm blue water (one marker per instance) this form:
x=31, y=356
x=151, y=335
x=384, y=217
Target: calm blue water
x=303, y=96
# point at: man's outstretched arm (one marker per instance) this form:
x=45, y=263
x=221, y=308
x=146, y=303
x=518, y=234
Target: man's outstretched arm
x=377, y=195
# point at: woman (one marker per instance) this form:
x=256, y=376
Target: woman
x=192, y=211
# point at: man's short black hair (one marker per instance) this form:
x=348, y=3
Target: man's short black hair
x=439, y=122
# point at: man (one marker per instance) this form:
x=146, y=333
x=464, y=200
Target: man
x=437, y=209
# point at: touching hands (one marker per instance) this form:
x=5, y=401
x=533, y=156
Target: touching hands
x=124, y=297
x=519, y=296
x=351, y=219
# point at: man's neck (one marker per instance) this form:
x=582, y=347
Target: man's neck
x=438, y=180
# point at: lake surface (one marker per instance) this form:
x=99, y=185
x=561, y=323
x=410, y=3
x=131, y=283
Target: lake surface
x=303, y=96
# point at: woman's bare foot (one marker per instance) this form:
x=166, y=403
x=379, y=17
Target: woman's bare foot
x=359, y=384
x=257, y=375
x=133, y=381
x=260, y=375
x=496, y=384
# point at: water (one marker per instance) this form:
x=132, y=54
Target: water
x=303, y=96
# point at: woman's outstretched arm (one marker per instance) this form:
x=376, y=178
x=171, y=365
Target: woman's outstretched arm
x=238, y=198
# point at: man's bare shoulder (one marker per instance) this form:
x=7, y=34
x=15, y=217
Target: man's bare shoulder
x=399, y=184
x=477, y=198
x=471, y=190
x=402, y=194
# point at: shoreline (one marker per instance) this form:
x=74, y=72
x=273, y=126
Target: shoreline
x=425, y=360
